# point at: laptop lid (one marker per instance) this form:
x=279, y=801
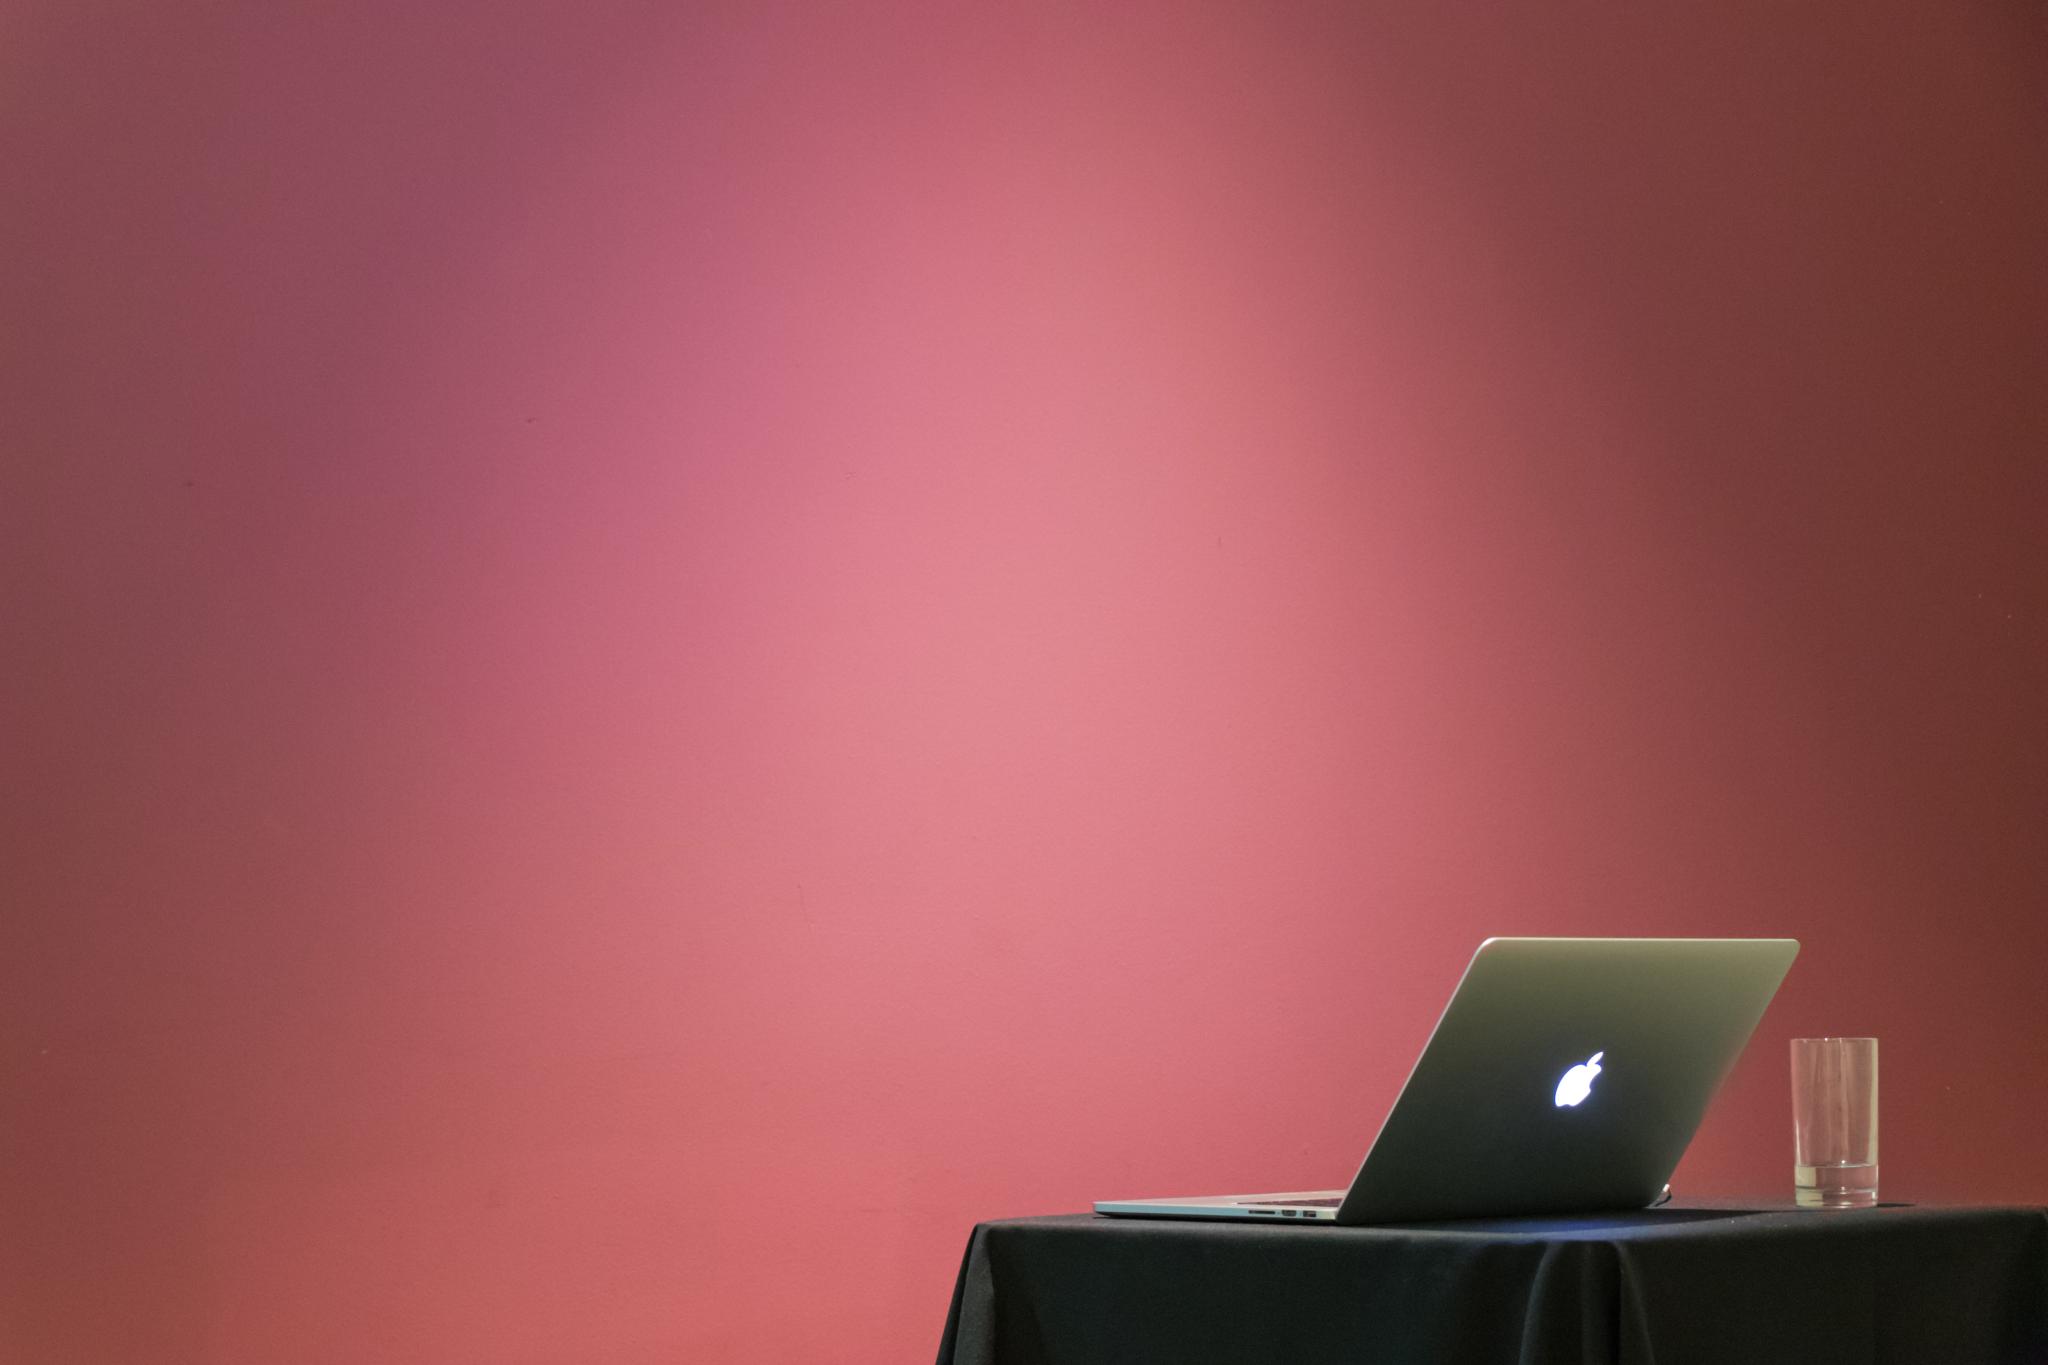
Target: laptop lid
x=1566, y=1075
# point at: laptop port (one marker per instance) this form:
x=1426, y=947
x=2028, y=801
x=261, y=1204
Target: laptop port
x=1287, y=1213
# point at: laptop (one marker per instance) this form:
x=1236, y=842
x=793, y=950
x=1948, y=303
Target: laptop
x=1566, y=1075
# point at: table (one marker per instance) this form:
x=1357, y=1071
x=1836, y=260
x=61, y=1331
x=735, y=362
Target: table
x=1702, y=1285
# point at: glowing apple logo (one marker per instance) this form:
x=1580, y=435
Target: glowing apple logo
x=1578, y=1082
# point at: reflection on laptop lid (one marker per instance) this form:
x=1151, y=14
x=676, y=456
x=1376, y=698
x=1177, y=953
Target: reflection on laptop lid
x=1566, y=1075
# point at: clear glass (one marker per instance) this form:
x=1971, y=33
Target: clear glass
x=1834, y=1122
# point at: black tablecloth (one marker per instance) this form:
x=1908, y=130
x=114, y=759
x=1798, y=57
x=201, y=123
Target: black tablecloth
x=1671, y=1286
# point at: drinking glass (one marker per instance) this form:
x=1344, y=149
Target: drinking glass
x=1834, y=1122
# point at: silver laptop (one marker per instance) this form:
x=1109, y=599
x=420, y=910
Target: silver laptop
x=1566, y=1075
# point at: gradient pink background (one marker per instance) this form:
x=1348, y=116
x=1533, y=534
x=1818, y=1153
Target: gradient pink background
x=654, y=655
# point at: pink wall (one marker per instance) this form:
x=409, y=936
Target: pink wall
x=655, y=655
